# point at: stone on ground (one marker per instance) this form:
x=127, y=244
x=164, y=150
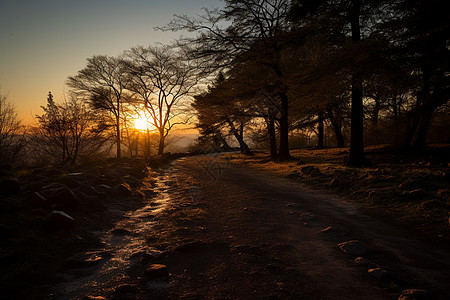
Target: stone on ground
x=56, y=221
x=355, y=247
x=123, y=190
x=156, y=271
x=378, y=273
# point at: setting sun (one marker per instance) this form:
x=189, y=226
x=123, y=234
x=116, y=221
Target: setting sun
x=141, y=123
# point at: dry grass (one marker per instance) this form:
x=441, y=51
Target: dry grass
x=409, y=189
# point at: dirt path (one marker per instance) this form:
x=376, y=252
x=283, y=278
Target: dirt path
x=227, y=233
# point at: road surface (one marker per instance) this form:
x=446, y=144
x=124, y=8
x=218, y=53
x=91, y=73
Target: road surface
x=227, y=232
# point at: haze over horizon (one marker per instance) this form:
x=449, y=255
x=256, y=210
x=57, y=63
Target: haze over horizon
x=42, y=43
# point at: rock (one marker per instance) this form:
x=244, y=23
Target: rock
x=355, y=247
x=123, y=190
x=80, y=177
x=53, y=187
x=149, y=253
x=378, y=273
x=414, y=294
x=9, y=186
x=414, y=194
x=56, y=221
x=124, y=291
x=103, y=188
x=156, y=271
x=91, y=202
x=87, y=190
x=36, y=200
x=86, y=260
x=362, y=261
x=61, y=199
x=311, y=171
x=90, y=297
x=149, y=193
x=328, y=229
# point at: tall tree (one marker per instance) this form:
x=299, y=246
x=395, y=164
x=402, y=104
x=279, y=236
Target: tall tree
x=223, y=108
x=351, y=28
x=244, y=30
x=420, y=34
x=102, y=81
x=163, y=80
x=11, y=137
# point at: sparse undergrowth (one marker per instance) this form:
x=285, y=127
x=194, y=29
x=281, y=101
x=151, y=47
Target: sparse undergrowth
x=408, y=189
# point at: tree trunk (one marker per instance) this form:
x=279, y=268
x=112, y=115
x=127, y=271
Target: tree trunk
x=118, y=139
x=240, y=138
x=320, y=132
x=376, y=112
x=424, y=124
x=356, y=155
x=161, y=142
x=340, y=143
x=272, y=136
x=284, y=129
x=395, y=109
x=220, y=140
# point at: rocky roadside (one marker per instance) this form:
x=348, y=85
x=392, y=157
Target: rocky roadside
x=50, y=214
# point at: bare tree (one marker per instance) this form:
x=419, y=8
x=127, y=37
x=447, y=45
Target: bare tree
x=103, y=82
x=67, y=131
x=11, y=136
x=244, y=30
x=163, y=80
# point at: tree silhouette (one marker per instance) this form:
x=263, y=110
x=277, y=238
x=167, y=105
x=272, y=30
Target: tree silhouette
x=244, y=30
x=102, y=82
x=12, y=141
x=67, y=130
x=162, y=80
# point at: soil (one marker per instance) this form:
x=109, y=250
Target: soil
x=216, y=230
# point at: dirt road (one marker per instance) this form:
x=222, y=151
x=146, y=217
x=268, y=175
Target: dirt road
x=229, y=233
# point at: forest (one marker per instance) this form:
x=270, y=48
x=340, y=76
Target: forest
x=268, y=75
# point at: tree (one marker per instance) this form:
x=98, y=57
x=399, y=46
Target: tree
x=420, y=38
x=244, y=30
x=352, y=28
x=12, y=140
x=220, y=109
x=162, y=80
x=102, y=81
x=67, y=131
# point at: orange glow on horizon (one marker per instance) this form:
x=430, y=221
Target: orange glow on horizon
x=141, y=123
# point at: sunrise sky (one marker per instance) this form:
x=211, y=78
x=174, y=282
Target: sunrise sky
x=44, y=42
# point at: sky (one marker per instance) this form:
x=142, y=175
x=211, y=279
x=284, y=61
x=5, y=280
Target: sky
x=43, y=42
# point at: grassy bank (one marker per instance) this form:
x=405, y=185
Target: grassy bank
x=409, y=189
